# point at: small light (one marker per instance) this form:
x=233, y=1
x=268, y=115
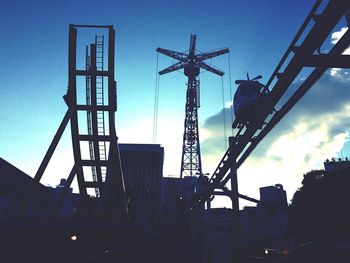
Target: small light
x=107, y=251
x=266, y=251
x=74, y=238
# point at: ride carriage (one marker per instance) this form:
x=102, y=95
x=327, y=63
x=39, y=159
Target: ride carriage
x=249, y=101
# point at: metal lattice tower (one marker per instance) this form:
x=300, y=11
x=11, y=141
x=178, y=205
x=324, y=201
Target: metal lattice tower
x=102, y=171
x=191, y=63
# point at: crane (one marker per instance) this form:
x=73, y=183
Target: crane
x=191, y=62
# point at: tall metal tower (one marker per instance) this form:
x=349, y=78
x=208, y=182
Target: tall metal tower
x=102, y=169
x=191, y=62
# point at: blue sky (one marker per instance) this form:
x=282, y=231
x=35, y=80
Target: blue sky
x=34, y=71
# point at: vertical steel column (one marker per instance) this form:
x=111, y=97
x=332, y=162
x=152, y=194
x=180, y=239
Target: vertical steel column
x=113, y=195
x=191, y=163
x=235, y=200
x=72, y=98
x=234, y=188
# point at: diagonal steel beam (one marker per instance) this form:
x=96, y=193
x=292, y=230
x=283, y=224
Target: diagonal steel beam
x=174, y=67
x=325, y=60
x=316, y=36
x=205, y=56
x=53, y=145
x=210, y=68
x=307, y=84
x=173, y=54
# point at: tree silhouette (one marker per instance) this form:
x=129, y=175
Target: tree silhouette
x=320, y=208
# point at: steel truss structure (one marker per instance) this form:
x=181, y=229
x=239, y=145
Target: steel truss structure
x=304, y=52
x=103, y=170
x=191, y=62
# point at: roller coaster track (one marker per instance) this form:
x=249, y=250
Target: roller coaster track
x=302, y=55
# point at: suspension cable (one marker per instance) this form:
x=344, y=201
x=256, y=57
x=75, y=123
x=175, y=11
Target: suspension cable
x=156, y=100
x=223, y=110
x=230, y=86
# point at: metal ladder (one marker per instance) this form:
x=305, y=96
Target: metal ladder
x=99, y=41
x=89, y=118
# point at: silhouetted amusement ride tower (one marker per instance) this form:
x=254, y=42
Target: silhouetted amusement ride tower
x=98, y=166
x=191, y=63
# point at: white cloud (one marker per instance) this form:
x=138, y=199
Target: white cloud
x=293, y=153
x=334, y=39
x=303, y=148
x=229, y=104
x=337, y=35
x=169, y=135
x=309, y=142
x=139, y=132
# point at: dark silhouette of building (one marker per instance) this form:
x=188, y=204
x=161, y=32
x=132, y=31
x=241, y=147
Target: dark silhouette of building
x=268, y=221
x=142, y=166
x=320, y=215
x=273, y=197
x=70, y=203
x=333, y=165
x=175, y=189
x=20, y=195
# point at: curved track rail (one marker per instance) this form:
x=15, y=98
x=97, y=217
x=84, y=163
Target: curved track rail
x=303, y=55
